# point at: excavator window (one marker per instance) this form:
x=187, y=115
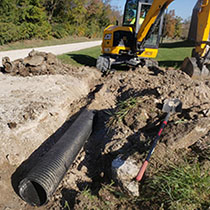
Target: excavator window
x=130, y=12
x=135, y=10
x=144, y=8
x=153, y=40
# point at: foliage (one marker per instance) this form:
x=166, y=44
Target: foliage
x=173, y=25
x=61, y=30
x=28, y=19
x=178, y=27
x=8, y=11
x=186, y=27
x=9, y=32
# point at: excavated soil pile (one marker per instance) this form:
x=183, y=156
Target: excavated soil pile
x=128, y=105
x=129, y=116
x=36, y=63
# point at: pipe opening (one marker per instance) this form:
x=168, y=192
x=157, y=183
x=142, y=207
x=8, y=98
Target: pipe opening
x=33, y=193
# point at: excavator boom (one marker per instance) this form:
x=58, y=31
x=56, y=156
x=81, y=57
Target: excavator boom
x=203, y=28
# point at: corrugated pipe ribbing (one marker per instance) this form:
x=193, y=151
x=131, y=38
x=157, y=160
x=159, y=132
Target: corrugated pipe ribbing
x=41, y=182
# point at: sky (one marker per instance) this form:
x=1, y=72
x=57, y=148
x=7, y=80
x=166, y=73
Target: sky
x=183, y=8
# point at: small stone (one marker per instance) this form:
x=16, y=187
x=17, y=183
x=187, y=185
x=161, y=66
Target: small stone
x=33, y=61
x=207, y=112
x=124, y=171
x=12, y=125
x=133, y=188
x=51, y=59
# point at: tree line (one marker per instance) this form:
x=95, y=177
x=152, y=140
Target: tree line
x=44, y=19
x=175, y=27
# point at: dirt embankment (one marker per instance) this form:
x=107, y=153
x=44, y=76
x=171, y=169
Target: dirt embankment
x=34, y=107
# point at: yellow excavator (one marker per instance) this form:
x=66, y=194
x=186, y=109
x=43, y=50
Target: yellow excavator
x=136, y=42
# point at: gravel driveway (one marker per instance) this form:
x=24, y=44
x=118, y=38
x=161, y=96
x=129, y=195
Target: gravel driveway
x=57, y=50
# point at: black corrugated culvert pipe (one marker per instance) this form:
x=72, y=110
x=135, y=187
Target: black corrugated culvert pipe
x=41, y=182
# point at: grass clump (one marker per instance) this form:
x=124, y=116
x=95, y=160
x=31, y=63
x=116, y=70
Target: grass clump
x=183, y=186
x=122, y=109
x=66, y=206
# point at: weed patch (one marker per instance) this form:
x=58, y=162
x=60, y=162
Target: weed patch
x=122, y=109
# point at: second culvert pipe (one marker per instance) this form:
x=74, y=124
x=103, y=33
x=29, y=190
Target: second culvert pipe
x=41, y=182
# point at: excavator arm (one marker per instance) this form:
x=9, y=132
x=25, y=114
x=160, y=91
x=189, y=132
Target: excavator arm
x=153, y=16
x=199, y=63
x=203, y=28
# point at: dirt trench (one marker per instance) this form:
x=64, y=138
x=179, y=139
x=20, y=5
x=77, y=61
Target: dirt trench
x=28, y=122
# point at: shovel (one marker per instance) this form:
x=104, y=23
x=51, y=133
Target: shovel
x=170, y=106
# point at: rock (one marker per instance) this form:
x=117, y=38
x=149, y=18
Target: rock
x=12, y=125
x=51, y=59
x=207, y=112
x=36, y=63
x=201, y=129
x=124, y=171
x=32, y=53
x=33, y=61
x=132, y=188
x=23, y=72
x=7, y=64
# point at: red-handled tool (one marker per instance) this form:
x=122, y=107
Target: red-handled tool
x=170, y=106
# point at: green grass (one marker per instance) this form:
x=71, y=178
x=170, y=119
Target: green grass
x=66, y=206
x=169, y=55
x=41, y=43
x=86, y=57
x=173, y=54
x=183, y=186
x=122, y=109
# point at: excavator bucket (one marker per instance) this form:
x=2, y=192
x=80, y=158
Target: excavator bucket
x=190, y=67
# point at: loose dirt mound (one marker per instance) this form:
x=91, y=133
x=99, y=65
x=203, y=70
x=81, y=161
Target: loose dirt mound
x=128, y=105
x=129, y=115
x=36, y=63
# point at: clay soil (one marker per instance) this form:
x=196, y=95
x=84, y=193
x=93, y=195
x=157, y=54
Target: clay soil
x=124, y=129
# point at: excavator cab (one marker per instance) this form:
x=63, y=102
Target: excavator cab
x=120, y=43
x=134, y=16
